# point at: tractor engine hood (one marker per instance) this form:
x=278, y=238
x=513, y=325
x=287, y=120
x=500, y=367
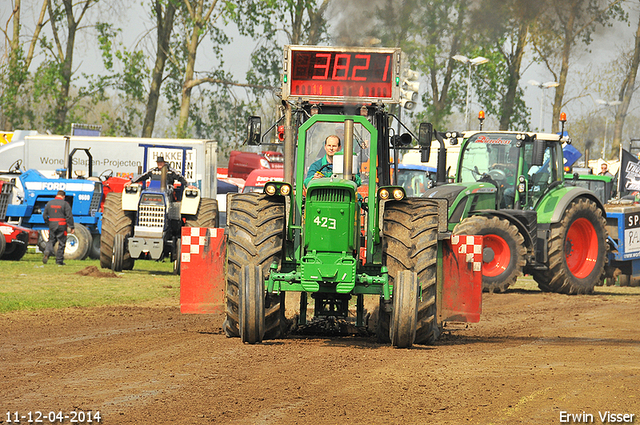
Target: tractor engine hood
x=449, y=192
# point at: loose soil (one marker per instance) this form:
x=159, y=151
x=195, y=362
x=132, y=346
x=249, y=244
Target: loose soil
x=533, y=356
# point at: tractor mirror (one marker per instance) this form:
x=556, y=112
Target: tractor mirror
x=538, y=152
x=254, y=128
x=425, y=136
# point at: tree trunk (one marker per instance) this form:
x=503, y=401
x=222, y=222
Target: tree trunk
x=200, y=20
x=514, y=77
x=564, y=69
x=12, y=94
x=626, y=92
x=62, y=107
x=164, y=29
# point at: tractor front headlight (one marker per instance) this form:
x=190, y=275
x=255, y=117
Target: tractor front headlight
x=384, y=194
x=270, y=189
x=285, y=190
x=398, y=194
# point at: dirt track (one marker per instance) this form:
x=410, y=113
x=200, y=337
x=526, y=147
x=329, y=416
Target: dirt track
x=531, y=357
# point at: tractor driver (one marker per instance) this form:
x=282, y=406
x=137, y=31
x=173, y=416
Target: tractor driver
x=324, y=166
x=155, y=173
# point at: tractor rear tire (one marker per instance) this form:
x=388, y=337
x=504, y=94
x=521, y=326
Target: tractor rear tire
x=255, y=238
x=506, y=244
x=3, y=245
x=207, y=215
x=117, y=258
x=251, y=308
x=577, y=251
x=115, y=221
x=410, y=242
x=406, y=295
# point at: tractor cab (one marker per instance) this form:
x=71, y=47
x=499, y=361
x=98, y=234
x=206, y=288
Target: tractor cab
x=506, y=161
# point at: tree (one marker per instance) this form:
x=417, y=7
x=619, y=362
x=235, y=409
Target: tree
x=430, y=33
x=302, y=22
x=627, y=89
x=164, y=12
x=566, y=24
x=16, y=70
x=503, y=32
x=125, y=115
x=197, y=19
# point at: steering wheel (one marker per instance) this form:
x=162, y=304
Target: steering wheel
x=325, y=166
x=106, y=174
x=498, y=176
x=15, y=167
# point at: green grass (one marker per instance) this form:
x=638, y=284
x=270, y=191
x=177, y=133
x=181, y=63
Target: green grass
x=30, y=285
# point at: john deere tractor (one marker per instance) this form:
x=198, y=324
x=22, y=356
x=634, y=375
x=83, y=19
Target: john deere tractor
x=347, y=234
x=510, y=187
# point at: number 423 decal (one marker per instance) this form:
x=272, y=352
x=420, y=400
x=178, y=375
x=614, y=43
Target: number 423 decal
x=329, y=223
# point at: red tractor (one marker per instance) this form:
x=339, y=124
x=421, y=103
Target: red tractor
x=13, y=239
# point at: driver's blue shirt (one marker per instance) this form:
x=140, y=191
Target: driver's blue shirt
x=326, y=172
x=316, y=166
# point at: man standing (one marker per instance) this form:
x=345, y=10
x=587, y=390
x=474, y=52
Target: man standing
x=57, y=215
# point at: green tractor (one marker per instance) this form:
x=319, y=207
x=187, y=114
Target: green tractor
x=510, y=188
x=348, y=233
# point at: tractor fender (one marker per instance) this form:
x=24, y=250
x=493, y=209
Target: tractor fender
x=190, y=201
x=131, y=197
x=552, y=207
x=522, y=228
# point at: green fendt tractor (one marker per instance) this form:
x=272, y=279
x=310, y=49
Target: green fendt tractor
x=510, y=188
x=347, y=234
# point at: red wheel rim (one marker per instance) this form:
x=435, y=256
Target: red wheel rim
x=501, y=256
x=581, y=248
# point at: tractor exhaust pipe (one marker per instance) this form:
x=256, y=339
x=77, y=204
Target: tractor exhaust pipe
x=289, y=145
x=348, y=149
x=163, y=177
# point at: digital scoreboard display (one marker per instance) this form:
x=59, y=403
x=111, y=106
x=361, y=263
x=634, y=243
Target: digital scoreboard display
x=341, y=74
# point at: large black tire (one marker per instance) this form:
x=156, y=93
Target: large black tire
x=13, y=251
x=577, y=250
x=255, y=237
x=117, y=258
x=504, y=245
x=410, y=242
x=207, y=215
x=251, y=308
x=3, y=245
x=94, y=249
x=406, y=295
x=115, y=221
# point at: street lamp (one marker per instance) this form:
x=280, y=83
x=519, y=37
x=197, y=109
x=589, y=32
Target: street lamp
x=543, y=86
x=606, y=120
x=475, y=61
